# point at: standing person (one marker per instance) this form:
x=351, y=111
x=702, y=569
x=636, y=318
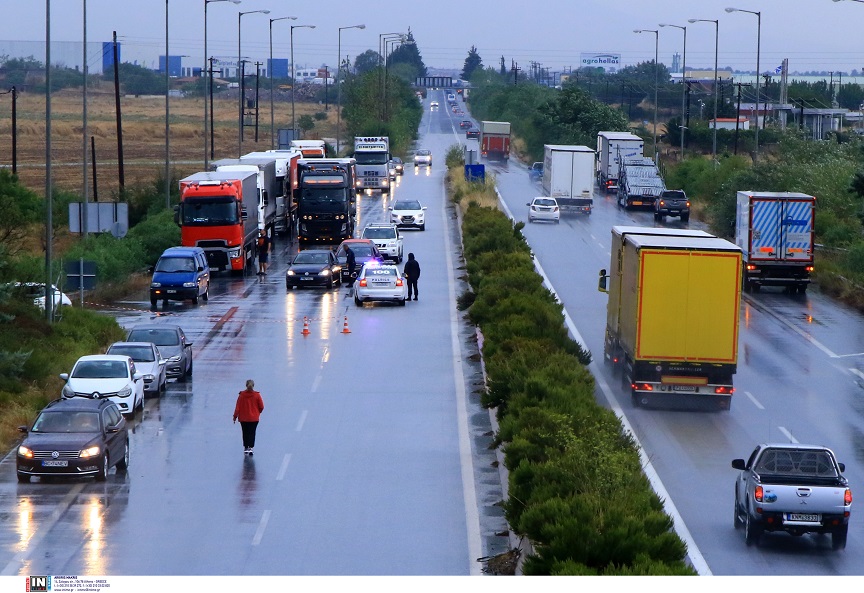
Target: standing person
x=350, y=263
x=412, y=273
x=263, y=251
x=248, y=410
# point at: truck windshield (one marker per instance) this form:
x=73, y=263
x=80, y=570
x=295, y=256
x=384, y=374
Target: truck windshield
x=323, y=199
x=371, y=158
x=210, y=211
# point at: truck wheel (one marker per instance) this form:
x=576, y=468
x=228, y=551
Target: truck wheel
x=838, y=538
x=634, y=399
x=752, y=532
x=685, y=218
x=748, y=286
x=153, y=302
x=195, y=300
x=206, y=295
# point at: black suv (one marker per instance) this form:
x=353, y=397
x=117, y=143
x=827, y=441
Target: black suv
x=74, y=437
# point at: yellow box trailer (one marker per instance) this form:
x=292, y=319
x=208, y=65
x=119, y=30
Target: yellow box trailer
x=672, y=318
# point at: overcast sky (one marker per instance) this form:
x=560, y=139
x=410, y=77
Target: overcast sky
x=813, y=34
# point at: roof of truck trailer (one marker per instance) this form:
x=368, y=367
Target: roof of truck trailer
x=779, y=195
x=568, y=148
x=659, y=231
x=619, y=135
x=688, y=243
x=219, y=176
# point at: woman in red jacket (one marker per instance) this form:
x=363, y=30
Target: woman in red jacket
x=248, y=411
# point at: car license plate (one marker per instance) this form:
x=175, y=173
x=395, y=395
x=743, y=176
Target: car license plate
x=690, y=388
x=803, y=517
x=55, y=463
x=171, y=291
x=637, y=203
x=306, y=278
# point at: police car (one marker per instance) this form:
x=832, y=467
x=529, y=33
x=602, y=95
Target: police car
x=387, y=239
x=380, y=282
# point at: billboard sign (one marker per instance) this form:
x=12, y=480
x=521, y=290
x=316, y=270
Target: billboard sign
x=605, y=60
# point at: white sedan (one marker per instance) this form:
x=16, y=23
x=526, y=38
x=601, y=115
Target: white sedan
x=110, y=376
x=148, y=361
x=543, y=208
x=380, y=282
x=408, y=213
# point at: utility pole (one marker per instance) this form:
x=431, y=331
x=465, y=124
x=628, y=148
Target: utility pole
x=738, y=113
x=121, y=176
x=515, y=69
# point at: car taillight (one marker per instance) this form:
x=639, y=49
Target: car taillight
x=662, y=203
x=847, y=497
x=363, y=282
x=688, y=204
x=750, y=267
x=757, y=494
x=643, y=386
x=398, y=281
x=809, y=268
x=724, y=389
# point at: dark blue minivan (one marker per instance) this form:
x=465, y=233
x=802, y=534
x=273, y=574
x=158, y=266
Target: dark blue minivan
x=182, y=273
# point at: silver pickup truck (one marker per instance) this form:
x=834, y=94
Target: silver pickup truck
x=793, y=488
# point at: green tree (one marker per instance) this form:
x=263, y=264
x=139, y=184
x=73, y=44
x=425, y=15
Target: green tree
x=305, y=122
x=137, y=80
x=21, y=208
x=367, y=61
x=408, y=53
x=472, y=63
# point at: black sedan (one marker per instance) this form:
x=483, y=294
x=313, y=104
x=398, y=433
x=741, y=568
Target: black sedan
x=313, y=267
x=74, y=437
x=364, y=250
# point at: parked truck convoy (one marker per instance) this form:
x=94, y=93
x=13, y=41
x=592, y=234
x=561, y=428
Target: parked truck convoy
x=218, y=212
x=568, y=176
x=267, y=182
x=639, y=183
x=793, y=488
x=495, y=140
x=611, y=147
x=372, y=154
x=326, y=200
x=775, y=231
x=286, y=178
x=672, y=315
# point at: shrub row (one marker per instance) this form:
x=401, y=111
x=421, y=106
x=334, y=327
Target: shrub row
x=576, y=486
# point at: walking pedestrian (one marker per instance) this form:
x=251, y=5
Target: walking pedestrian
x=263, y=252
x=350, y=263
x=248, y=411
x=412, y=274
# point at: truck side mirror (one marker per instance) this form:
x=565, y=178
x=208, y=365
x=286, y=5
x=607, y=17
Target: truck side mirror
x=738, y=464
x=266, y=197
x=244, y=214
x=601, y=284
x=177, y=214
x=842, y=466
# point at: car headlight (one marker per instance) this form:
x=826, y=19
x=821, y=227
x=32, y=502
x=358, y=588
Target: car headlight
x=149, y=377
x=90, y=451
x=190, y=284
x=125, y=392
x=234, y=253
x=68, y=391
x=174, y=358
x=385, y=182
x=290, y=273
x=25, y=452
x=155, y=285
x=325, y=272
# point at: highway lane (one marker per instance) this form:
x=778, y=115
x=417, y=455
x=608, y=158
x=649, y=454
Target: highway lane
x=372, y=454
x=799, y=379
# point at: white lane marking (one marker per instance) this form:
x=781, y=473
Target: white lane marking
x=696, y=558
x=787, y=434
x=754, y=400
x=466, y=458
x=316, y=383
x=857, y=372
x=262, y=525
x=849, y=355
x=20, y=559
x=302, y=420
x=284, y=467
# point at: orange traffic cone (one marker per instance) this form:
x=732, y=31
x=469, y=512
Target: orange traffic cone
x=345, y=329
x=305, y=331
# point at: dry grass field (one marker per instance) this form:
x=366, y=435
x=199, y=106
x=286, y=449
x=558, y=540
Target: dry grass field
x=143, y=124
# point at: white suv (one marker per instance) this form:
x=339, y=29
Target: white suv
x=387, y=239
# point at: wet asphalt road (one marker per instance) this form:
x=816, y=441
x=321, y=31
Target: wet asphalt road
x=372, y=452
x=800, y=379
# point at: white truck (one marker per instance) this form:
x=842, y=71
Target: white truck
x=266, y=181
x=372, y=154
x=611, y=147
x=286, y=180
x=310, y=149
x=775, y=232
x=793, y=488
x=568, y=176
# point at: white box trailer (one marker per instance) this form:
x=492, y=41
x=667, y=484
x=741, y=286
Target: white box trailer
x=775, y=231
x=568, y=176
x=611, y=147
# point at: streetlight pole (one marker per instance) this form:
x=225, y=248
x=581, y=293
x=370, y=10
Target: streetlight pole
x=167, y=135
x=387, y=50
x=716, y=90
x=49, y=202
x=683, y=83
x=339, y=87
x=207, y=73
x=85, y=199
x=270, y=73
x=381, y=64
x=294, y=77
x=240, y=59
x=656, y=82
x=758, y=51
